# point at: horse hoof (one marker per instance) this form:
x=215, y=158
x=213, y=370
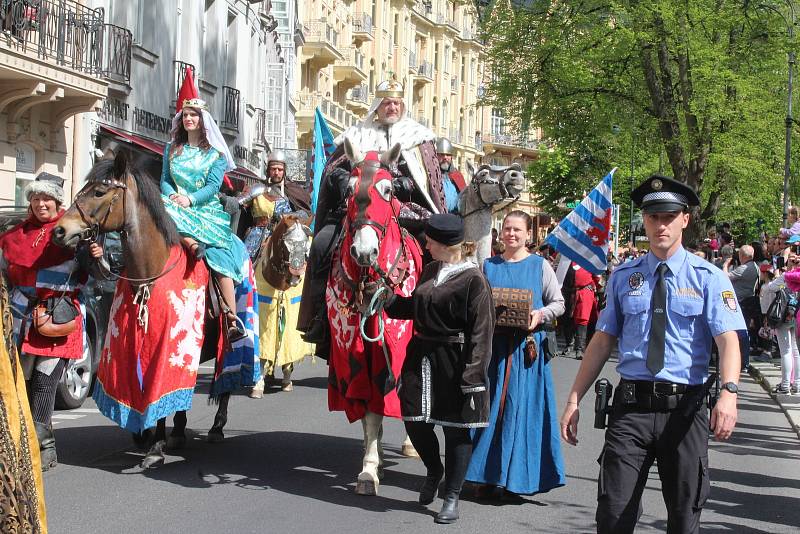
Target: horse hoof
x=367, y=484
x=155, y=456
x=215, y=436
x=175, y=443
x=287, y=386
x=409, y=451
x=142, y=439
x=256, y=393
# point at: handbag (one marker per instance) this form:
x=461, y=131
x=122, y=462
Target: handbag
x=55, y=317
x=512, y=307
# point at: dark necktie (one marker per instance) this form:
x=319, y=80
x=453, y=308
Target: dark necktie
x=658, y=326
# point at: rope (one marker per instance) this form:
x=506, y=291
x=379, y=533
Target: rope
x=141, y=298
x=375, y=307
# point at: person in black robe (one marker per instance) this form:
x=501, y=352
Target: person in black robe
x=444, y=376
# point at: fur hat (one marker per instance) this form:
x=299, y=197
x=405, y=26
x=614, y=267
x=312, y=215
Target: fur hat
x=47, y=184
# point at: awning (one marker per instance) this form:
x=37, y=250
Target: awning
x=153, y=146
x=244, y=173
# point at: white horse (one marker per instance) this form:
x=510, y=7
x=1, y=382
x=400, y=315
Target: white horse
x=489, y=186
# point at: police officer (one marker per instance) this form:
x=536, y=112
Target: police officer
x=663, y=309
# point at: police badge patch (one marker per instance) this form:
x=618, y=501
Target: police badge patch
x=636, y=280
x=729, y=299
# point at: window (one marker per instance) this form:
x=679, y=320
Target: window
x=396, y=35
x=436, y=56
x=26, y=167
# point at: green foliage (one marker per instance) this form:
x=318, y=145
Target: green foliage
x=696, y=88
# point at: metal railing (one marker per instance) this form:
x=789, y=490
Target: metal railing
x=62, y=31
x=425, y=69
x=322, y=32
x=180, y=73
x=511, y=140
x=478, y=142
x=116, y=52
x=231, y=100
x=362, y=23
x=424, y=8
x=412, y=60
x=260, y=135
x=360, y=93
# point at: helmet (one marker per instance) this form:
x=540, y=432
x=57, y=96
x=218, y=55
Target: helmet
x=443, y=146
x=276, y=156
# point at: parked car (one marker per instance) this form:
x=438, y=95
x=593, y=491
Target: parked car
x=96, y=295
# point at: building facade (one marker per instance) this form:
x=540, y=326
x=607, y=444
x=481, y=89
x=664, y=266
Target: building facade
x=234, y=52
x=57, y=60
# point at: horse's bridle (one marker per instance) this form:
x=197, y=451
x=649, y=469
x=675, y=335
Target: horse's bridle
x=92, y=230
x=476, y=184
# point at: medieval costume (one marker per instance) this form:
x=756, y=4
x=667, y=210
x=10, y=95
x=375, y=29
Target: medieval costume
x=417, y=183
x=443, y=380
x=584, y=306
x=45, y=275
x=452, y=180
x=22, y=506
x=520, y=449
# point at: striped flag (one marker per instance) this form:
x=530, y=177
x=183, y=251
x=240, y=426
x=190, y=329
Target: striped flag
x=323, y=148
x=582, y=236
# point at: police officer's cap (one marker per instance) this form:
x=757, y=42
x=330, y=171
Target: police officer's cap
x=662, y=194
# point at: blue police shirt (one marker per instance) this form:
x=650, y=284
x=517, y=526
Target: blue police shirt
x=701, y=304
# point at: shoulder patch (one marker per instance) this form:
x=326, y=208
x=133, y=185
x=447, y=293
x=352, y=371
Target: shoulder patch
x=729, y=299
x=636, y=280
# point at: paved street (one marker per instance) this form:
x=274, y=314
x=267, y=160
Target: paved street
x=288, y=465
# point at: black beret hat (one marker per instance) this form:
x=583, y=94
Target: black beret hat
x=445, y=228
x=663, y=194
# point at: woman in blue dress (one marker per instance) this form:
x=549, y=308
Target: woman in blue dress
x=192, y=173
x=520, y=450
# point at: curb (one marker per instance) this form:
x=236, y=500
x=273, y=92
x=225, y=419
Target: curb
x=769, y=375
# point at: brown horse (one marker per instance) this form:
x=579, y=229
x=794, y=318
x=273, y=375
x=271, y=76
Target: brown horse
x=122, y=199
x=280, y=268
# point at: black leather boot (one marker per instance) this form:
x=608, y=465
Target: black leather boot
x=580, y=341
x=428, y=490
x=47, y=446
x=449, y=513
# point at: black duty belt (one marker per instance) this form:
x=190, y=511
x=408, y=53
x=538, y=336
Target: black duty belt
x=441, y=339
x=654, y=396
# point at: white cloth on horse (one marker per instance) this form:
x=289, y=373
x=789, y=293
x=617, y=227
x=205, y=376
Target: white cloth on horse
x=372, y=135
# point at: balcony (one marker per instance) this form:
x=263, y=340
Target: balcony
x=358, y=99
x=362, y=28
x=454, y=85
x=322, y=45
x=180, y=68
x=424, y=73
x=337, y=117
x=115, y=54
x=53, y=56
x=350, y=71
x=424, y=11
x=500, y=141
x=231, y=101
x=412, y=62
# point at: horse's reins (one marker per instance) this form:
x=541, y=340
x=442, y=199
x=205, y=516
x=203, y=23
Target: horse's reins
x=475, y=185
x=92, y=232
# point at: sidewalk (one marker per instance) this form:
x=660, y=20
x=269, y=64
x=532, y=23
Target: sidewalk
x=769, y=376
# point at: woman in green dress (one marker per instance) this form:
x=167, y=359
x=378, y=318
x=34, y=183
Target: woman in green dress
x=194, y=165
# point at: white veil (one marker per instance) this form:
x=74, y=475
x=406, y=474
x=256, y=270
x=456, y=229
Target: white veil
x=213, y=135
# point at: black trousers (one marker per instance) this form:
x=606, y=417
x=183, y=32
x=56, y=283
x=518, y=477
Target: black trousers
x=457, y=451
x=678, y=443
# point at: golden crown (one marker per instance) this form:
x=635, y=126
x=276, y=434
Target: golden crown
x=389, y=89
x=195, y=103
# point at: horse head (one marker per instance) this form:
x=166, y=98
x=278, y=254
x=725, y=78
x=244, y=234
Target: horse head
x=99, y=207
x=287, y=251
x=371, y=207
x=493, y=184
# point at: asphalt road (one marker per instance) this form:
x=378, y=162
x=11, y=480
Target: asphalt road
x=288, y=465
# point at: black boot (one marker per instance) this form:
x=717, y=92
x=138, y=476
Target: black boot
x=428, y=490
x=449, y=513
x=580, y=341
x=47, y=446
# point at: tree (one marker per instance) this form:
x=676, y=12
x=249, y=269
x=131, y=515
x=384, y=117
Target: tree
x=695, y=86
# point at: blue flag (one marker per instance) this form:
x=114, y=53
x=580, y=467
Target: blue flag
x=323, y=148
x=582, y=236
